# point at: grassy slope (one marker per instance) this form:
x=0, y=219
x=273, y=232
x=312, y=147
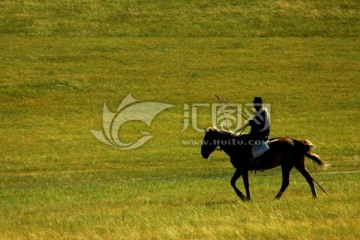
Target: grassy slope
x=181, y=18
x=61, y=61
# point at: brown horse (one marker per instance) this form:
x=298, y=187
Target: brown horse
x=286, y=152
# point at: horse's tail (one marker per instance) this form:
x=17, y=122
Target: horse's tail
x=305, y=147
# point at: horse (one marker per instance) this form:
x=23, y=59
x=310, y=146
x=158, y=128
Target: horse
x=286, y=152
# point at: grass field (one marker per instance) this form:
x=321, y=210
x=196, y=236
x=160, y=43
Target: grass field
x=60, y=61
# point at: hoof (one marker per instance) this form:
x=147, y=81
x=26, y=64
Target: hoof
x=243, y=198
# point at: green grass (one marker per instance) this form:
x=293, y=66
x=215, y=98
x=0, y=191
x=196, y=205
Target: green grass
x=137, y=18
x=61, y=61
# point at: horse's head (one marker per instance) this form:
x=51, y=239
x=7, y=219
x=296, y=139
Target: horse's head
x=209, y=142
x=228, y=141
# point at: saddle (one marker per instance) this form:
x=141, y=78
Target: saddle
x=258, y=150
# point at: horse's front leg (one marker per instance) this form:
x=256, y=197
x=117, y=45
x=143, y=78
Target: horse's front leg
x=235, y=177
x=245, y=176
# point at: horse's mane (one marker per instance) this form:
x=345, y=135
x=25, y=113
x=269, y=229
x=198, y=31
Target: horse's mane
x=230, y=134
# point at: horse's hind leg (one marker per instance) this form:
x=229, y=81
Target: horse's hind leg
x=308, y=178
x=285, y=181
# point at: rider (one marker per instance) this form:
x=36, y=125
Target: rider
x=260, y=124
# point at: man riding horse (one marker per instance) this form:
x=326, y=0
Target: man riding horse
x=286, y=152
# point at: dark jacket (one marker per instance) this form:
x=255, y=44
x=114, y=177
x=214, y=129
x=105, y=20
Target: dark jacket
x=260, y=124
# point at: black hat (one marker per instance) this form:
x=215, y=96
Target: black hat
x=257, y=100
